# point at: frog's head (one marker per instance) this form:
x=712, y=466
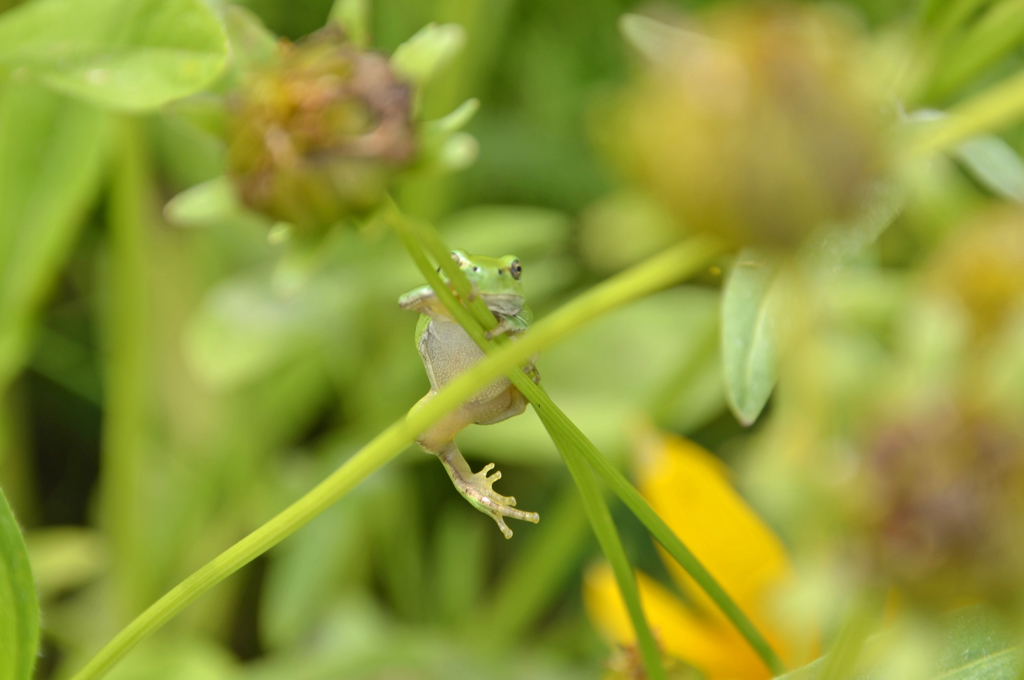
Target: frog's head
x=497, y=278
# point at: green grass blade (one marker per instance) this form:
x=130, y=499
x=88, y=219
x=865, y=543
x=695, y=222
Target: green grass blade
x=608, y=537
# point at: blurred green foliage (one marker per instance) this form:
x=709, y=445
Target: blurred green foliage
x=170, y=378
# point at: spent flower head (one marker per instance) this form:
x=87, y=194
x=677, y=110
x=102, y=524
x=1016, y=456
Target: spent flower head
x=318, y=133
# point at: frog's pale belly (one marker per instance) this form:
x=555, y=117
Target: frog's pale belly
x=451, y=352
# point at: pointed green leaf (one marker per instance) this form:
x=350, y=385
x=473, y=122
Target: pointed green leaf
x=423, y=55
x=994, y=164
x=204, y=205
x=989, y=159
x=748, y=343
x=456, y=120
x=132, y=55
x=19, y=610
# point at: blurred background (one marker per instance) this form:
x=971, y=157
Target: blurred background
x=172, y=380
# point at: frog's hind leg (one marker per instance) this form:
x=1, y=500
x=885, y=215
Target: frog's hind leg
x=475, y=487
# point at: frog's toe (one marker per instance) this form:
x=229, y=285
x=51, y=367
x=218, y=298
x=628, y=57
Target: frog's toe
x=505, y=531
x=491, y=478
x=477, y=490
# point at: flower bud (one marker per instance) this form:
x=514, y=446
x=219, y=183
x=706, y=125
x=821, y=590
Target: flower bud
x=762, y=133
x=318, y=135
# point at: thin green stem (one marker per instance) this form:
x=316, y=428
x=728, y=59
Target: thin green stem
x=658, y=272
x=126, y=375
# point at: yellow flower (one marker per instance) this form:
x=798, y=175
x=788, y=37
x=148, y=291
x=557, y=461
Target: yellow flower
x=689, y=488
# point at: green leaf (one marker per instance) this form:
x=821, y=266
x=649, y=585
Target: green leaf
x=205, y=205
x=989, y=159
x=994, y=164
x=423, y=55
x=132, y=55
x=973, y=643
x=19, y=611
x=748, y=342
x=52, y=154
x=456, y=120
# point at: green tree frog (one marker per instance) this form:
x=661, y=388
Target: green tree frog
x=447, y=351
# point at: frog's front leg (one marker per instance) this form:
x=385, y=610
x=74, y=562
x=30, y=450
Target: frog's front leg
x=474, y=487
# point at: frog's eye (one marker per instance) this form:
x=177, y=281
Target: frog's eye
x=516, y=269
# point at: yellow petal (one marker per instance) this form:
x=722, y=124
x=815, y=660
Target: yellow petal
x=700, y=642
x=689, y=488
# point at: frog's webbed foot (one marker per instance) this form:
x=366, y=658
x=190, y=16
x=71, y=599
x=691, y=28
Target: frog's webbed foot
x=531, y=370
x=475, y=487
